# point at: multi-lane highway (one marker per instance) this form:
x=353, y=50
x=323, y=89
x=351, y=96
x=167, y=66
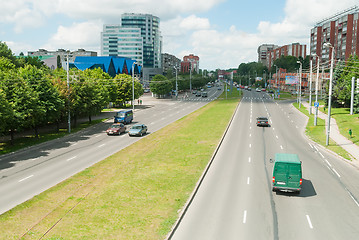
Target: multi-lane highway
x=29, y=172
x=235, y=200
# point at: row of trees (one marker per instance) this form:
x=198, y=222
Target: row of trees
x=31, y=95
x=162, y=85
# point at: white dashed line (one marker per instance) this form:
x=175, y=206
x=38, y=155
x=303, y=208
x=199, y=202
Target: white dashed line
x=336, y=172
x=281, y=147
x=101, y=145
x=245, y=216
x=249, y=159
x=354, y=199
x=276, y=136
x=310, y=145
x=328, y=162
x=248, y=180
x=250, y=145
x=71, y=158
x=315, y=148
x=250, y=135
x=26, y=178
x=321, y=154
x=309, y=222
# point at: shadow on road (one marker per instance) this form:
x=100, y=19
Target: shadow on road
x=307, y=190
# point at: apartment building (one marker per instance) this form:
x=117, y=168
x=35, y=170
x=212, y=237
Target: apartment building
x=294, y=49
x=263, y=51
x=190, y=63
x=169, y=62
x=341, y=31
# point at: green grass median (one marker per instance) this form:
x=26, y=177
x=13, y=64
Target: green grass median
x=318, y=133
x=133, y=194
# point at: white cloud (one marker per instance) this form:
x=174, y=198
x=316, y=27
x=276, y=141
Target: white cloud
x=194, y=23
x=79, y=35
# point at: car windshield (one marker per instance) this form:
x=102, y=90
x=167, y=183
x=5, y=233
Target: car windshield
x=136, y=127
x=120, y=114
x=115, y=126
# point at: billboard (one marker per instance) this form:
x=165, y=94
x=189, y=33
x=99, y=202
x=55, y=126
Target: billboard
x=291, y=80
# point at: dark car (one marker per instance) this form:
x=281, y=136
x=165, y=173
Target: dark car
x=116, y=129
x=137, y=130
x=262, y=121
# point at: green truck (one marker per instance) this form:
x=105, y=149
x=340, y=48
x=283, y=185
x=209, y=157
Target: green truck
x=287, y=173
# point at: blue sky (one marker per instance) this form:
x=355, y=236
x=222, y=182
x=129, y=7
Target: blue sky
x=223, y=33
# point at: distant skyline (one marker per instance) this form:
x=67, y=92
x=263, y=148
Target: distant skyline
x=223, y=33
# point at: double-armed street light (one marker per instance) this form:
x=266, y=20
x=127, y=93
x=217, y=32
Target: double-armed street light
x=330, y=46
x=133, y=84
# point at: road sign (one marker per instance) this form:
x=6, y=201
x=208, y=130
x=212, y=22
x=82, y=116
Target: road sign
x=316, y=104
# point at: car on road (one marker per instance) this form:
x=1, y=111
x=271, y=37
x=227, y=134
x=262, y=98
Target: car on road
x=262, y=121
x=198, y=94
x=287, y=173
x=258, y=90
x=116, y=129
x=137, y=130
x=204, y=94
x=124, y=116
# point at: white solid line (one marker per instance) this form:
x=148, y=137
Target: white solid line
x=26, y=178
x=336, y=172
x=328, y=162
x=245, y=216
x=310, y=145
x=249, y=159
x=309, y=222
x=315, y=148
x=248, y=180
x=321, y=154
x=101, y=145
x=71, y=158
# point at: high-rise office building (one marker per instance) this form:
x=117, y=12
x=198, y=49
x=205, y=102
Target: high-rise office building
x=137, y=37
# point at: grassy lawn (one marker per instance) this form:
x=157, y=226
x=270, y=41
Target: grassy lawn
x=133, y=194
x=318, y=134
x=30, y=140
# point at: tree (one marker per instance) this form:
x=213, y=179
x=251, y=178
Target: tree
x=122, y=89
x=160, y=85
x=58, y=60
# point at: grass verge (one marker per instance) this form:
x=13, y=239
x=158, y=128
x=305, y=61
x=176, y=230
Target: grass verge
x=133, y=194
x=318, y=134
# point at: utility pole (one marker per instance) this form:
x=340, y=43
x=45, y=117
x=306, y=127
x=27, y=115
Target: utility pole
x=68, y=90
x=310, y=86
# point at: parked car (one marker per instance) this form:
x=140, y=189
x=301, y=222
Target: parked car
x=137, y=130
x=116, y=129
x=262, y=121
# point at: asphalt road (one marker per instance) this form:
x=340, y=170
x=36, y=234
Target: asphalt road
x=29, y=172
x=235, y=200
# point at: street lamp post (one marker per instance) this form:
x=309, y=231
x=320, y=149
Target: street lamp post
x=133, y=85
x=310, y=86
x=316, y=92
x=300, y=83
x=328, y=45
x=176, y=83
x=68, y=89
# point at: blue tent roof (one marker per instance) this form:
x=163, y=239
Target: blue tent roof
x=85, y=62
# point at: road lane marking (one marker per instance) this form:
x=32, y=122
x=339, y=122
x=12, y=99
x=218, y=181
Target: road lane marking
x=97, y=135
x=248, y=180
x=74, y=144
x=250, y=145
x=26, y=178
x=336, y=172
x=310, y=145
x=71, y=158
x=328, y=162
x=250, y=135
x=281, y=147
x=101, y=145
x=245, y=216
x=315, y=148
x=249, y=159
x=321, y=154
x=276, y=136
x=353, y=199
x=309, y=222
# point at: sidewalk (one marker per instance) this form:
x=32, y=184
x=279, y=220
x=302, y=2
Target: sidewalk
x=335, y=135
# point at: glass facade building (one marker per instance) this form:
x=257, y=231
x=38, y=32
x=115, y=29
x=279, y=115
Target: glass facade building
x=137, y=37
